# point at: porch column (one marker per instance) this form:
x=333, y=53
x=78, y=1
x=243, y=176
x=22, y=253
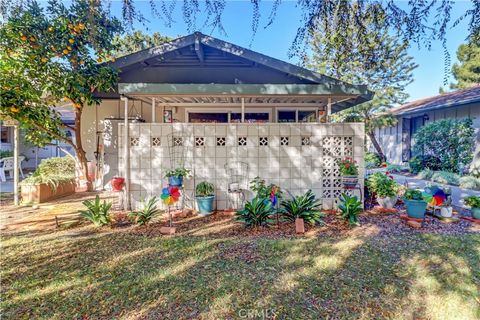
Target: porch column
x=243, y=110
x=329, y=109
x=154, y=111
x=16, y=141
x=126, y=156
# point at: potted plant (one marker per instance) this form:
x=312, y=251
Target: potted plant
x=117, y=183
x=175, y=176
x=349, y=172
x=415, y=204
x=205, y=195
x=474, y=203
x=385, y=187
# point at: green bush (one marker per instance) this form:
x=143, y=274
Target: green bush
x=147, y=213
x=97, y=213
x=53, y=171
x=350, y=207
x=262, y=190
x=394, y=168
x=425, y=174
x=5, y=154
x=372, y=160
x=257, y=212
x=446, y=177
x=418, y=163
x=470, y=182
x=382, y=185
x=305, y=206
x=472, y=201
x=451, y=141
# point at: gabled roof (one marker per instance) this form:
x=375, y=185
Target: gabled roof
x=176, y=60
x=446, y=100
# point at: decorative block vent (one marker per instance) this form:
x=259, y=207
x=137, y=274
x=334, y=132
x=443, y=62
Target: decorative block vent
x=199, y=141
x=242, y=141
x=177, y=141
x=221, y=141
x=134, y=141
x=305, y=141
x=284, y=141
x=156, y=141
x=263, y=141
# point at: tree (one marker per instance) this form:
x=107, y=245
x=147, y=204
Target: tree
x=382, y=63
x=137, y=41
x=467, y=71
x=50, y=56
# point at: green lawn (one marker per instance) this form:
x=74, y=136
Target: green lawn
x=120, y=275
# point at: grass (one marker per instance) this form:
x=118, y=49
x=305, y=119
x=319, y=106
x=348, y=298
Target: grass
x=68, y=275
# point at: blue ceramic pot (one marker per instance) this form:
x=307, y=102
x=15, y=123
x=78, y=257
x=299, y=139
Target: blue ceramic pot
x=416, y=208
x=205, y=204
x=476, y=213
x=175, y=181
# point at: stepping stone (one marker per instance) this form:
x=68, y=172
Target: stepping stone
x=414, y=224
x=447, y=220
x=405, y=217
x=229, y=212
x=167, y=230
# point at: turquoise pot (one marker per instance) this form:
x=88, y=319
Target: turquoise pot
x=416, y=208
x=175, y=181
x=205, y=204
x=476, y=213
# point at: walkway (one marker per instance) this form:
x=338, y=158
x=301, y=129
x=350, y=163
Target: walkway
x=457, y=193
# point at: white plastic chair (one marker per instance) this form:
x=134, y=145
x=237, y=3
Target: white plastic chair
x=6, y=164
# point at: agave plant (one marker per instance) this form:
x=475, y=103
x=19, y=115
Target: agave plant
x=305, y=206
x=257, y=212
x=350, y=207
x=97, y=213
x=147, y=213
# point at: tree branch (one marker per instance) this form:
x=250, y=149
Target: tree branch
x=54, y=134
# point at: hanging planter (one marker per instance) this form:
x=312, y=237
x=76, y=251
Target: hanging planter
x=117, y=183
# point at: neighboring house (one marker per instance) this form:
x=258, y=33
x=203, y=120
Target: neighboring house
x=397, y=142
x=207, y=103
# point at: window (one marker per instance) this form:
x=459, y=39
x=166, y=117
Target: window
x=252, y=117
x=296, y=115
x=5, y=135
x=208, y=117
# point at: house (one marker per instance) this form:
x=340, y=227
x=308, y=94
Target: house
x=397, y=142
x=209, y=105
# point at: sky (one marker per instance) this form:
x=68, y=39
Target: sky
x=276, y=39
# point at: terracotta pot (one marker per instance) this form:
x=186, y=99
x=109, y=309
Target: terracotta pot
x=38, y=193
x=117, y=183
x=299, y=225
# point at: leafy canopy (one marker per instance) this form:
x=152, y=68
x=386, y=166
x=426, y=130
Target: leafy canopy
x=49, y=54
x=467, y=71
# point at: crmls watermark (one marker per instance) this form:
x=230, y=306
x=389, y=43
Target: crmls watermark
x=257, y=314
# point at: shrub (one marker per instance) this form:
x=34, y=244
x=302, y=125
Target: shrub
x=204, y=189
x=147, y=213
x=5, y=154
x=452, y=141
x=418, y=163
x=97, y=213
x=472, y=201
x=470, y=182
x=372, y=160
x=348, y=167
x=305, y=206
x=394, y=168
x=257, y=212
x=262, y=190
x=383, y=185
x=53, y=171
x=425, y=174
x=350, y=207
x=446, y=177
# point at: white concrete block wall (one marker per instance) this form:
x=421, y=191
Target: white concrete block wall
x=297, y=157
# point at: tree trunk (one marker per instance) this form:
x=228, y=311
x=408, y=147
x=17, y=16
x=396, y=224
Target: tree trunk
x=376, y=145
x=80, y=153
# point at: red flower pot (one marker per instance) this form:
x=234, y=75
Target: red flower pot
x=117, y=183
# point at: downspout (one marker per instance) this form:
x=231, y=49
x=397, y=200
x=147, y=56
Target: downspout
x=126, y=155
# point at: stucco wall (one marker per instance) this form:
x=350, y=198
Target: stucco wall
x=296, y=167
x=391, y=138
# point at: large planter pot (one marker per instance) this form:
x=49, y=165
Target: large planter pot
x=117, y=183
x=416, y=208
x=446, y=212
x=38, y=193
x=476, y=213
x=175, y=181
x=349, y=182
x=205, y=205
x=387, y=202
